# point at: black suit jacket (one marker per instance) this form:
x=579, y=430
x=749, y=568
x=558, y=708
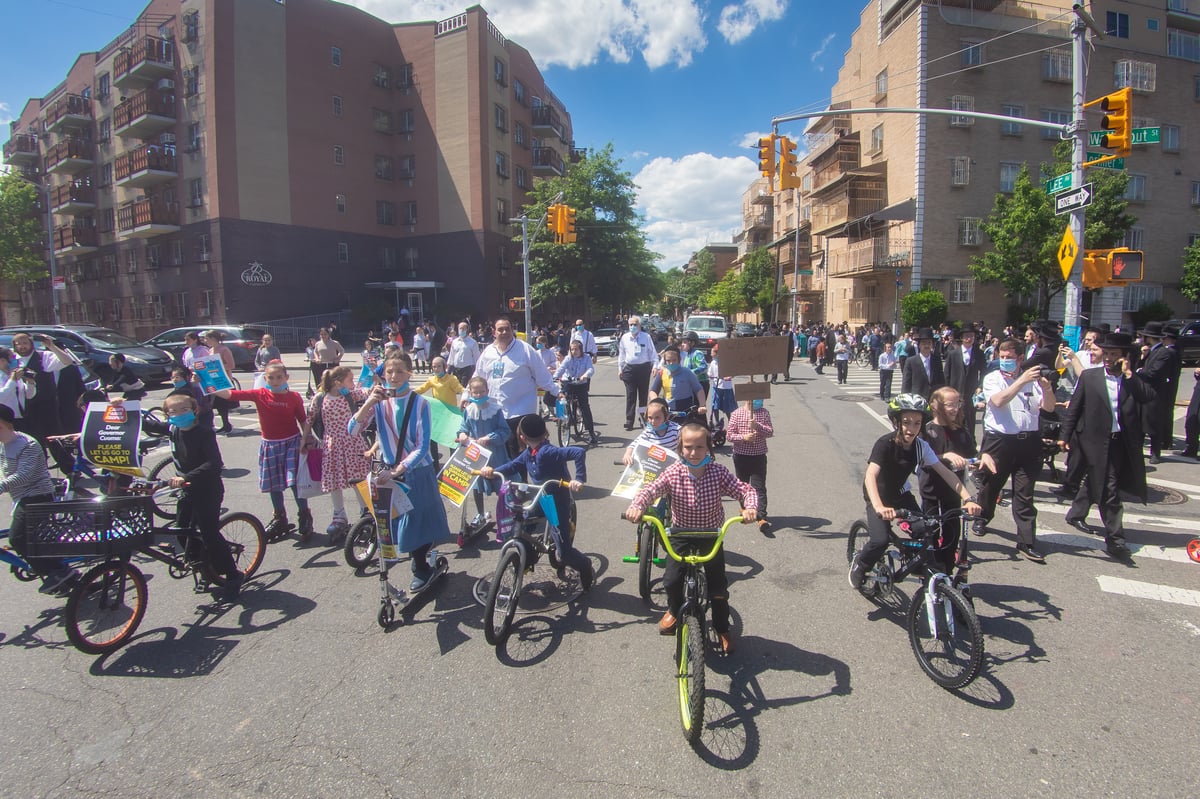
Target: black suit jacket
x=914, y=379
x=1089, y=419
x=965, y=378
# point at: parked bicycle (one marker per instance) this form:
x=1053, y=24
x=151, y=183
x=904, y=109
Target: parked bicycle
x=942, y=626
x=693, y=635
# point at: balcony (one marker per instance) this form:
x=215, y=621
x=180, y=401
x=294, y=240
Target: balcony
x=863, y=309
x=879, y=254
x=72, y=110
x=70, y=156
x=854, y=200
x=21, y=149
x=73, y=198
x=546, y=120
x=763, y=198
x=75, y=240
x=148, y=60
x=758, y=221
x=148, y=165
x=147, y=218
x=145, y=114
x=547, y=162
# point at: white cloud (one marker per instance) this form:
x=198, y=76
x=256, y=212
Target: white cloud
x=691, y=201
x=750, y=140
x=5, y=114
x=820, y=51
x=738, y=21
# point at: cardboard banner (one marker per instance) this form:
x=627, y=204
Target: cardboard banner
x=649, y=461
x=456, y=480
x=751, y=391
x=110, y=437
x=446, y=419
x=210, y=372
x=761, y=355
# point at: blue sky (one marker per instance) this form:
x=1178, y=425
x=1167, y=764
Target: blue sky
x=680, y=87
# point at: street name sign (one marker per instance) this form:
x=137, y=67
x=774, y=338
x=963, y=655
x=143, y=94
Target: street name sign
x=1116, y=163
x=1060, y=183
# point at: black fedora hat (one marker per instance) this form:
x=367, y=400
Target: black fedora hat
x=1048, y=332
x=1153, y=329
x=1122, y=341
x=925, y=332
x=1170, y=331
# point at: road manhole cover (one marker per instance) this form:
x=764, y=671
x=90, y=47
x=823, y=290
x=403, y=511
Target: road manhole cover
x=855, y=397
x=1158, y=495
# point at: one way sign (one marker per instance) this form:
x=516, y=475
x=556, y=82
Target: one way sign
x=1070, y=200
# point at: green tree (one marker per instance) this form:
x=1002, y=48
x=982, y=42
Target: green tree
x=695, y=284
x=726, y=296
x=756, y=281
x=1189, y=286
x=1025, y=233
x=22, y=236
x=924, y=308
x=609, y=265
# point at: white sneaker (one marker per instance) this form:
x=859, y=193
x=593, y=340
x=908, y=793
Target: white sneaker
x=480, y=520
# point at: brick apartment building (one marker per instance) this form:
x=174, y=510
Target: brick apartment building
x=243, y=161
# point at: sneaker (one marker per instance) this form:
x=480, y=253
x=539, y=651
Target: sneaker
x=857, y=574
x=233, y=586
x=979, y=527
x=1119, y=551
x=278, y=527
x=419, y=581
x=726, y=641
x=587, y=577
x=337, y=526
x=59, y=582
x=479, y=521
x=764, y=526
x=306, y=524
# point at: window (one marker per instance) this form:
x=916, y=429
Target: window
x=1183, y=44
x=116, y=309
x=384, y=169
x=500, y=71
x=191, y=26
x=1133, y=238
x=407, y=121
x=876, y=139
x=343, y=250
x=522, y=178
x=106, y=173
x=1008, y=176
x=195, y=193
x=960, y=170
x=105, y=130
x=153, y=256
x=1170, y=138
x=404, y=77
x=382, y=120
x=191, y=81
x=1058, y=118
x=1136, y=190
x=339, y=154
x=1196, y=192
x=337, y=105
x=385, y=213
x=408, y=213
x=501, y=119
x=203, y=253
x=177, y=253
x=98, y=310
x=962, y=102
x=179, y=305
x=382, y=77
x=501, y=164
x=204, y=310
x=1011, y=128
x=193, y=133
x=518, y=92
x=1151, y=24
x=519, y=135
x=339, y=202
x=335, y=56
x=1137, y=75
x=1116, y=24
x=501, y=211
x=972, y=54
x=1056, y=66
x=968, y=231
x=1139, y=294
x=103, y=86
x=387, y=257
x=408, y=167
x=881, y=81
x=962, y=290
x=131, y=260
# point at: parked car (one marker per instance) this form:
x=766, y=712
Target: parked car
x=711, y=328
x=242, y=340
x=744, y=330
x=91, y=381
x=658, y=332
x=606, y=341
x=93, y=344
x=1189, y=339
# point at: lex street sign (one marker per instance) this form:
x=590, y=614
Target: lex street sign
x=1073, y=200
x=1060, y=183
x=1116, y=163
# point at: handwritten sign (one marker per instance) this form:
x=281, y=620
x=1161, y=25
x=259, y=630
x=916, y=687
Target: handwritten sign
x=649, y=461
x=210, y=372
x=456, y=480
x=110, y=437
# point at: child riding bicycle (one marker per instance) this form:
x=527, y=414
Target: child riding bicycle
x=695, y=486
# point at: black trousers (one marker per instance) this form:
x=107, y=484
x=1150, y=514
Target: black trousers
x=718, y=588
x=580, y=392
x=1021, y=460
x=200, y=505
x=463, y=373
x=636, y=378
x=843, y=367
x=1191, y=422
x=878, y=531
x=1112, y=510
x=885, y=383
x=752, y=469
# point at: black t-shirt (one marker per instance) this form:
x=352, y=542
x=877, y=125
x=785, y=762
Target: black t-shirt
x=896, y=465
x=942, y=440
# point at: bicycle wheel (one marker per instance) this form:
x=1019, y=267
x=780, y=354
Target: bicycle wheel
x=106, y=606
x=247, y=543
x=689, y=648
x=502, y=598
x=647, y=551
x=577, y=422
x=952, y=654
x=163, y=504
x=859, y=535
x=361, y=543
x=564, y=432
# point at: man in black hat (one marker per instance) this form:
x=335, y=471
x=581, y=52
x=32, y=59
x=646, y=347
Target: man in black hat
x=964, y=371
x=1161, y=370
x=1105, y=419
x=922, y=373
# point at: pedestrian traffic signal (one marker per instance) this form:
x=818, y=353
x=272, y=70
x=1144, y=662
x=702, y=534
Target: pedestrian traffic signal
x=1117, y=267
x=568, y=224
x=1118, y=121
x=516, y=304
x=1125, y=265
x=787, y=164
x=766, y=157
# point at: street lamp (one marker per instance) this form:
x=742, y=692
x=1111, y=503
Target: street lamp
x=49, y=239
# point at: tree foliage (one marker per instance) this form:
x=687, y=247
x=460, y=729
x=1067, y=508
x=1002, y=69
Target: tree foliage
x=22, y=234
x=1025, y=232
x=609, y=265
x=756, y=282
x=924, y=308
x=726, y=296
x=1189, y=286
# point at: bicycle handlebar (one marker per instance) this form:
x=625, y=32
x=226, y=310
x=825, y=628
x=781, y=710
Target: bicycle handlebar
x=691, y=560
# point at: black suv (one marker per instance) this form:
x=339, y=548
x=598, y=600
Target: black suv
x=92, y=345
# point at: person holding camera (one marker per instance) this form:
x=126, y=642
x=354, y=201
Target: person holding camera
x=1012, y=446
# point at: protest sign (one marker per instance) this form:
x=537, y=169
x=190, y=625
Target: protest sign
x=211, y=374
x=751, y=391
x=110, y=437
x=649, y=461
x=456, y=480
x=761, y=355
x=446, y=419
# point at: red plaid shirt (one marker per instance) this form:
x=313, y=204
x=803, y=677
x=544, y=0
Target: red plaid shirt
x=696, y=502
x=739, y=425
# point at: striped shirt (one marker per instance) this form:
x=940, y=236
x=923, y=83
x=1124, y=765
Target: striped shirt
x=668, y=439
x=23, y=470
x=696, y=501
x=389, y=414
x=739, y=426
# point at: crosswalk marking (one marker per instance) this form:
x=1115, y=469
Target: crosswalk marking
x=1140, y=590
x=1131, y=519
x=1087, y=542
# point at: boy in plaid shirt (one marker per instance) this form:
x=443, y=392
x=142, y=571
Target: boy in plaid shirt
x=749, y=428
x=696, y=485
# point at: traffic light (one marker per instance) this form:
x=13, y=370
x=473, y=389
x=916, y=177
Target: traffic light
x=1125, y=265
x=516, y=304
x=1118, y=120
x=787, y=164
x=766, y=157
x=1103, y=268
x=554, y=222
x=568, y=224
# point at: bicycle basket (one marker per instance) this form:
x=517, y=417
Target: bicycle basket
x=82, y=528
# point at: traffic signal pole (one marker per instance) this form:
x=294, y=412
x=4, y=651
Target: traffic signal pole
x=526, y=240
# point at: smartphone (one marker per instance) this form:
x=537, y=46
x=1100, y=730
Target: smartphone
x=389, y=393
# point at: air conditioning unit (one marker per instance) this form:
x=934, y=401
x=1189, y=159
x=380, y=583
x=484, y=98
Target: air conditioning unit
x=204, y=256
x=167, y=139
x=166, y=83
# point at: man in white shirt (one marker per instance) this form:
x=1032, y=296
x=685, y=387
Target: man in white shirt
x=584, y=337
x=635, y=359
x=464, y=352
x=1012, y=443
x=514, y=372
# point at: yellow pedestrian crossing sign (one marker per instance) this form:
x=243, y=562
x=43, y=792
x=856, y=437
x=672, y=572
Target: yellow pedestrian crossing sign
x=1067, y=251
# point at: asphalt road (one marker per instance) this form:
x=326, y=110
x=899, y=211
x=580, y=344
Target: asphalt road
x=1087, y=687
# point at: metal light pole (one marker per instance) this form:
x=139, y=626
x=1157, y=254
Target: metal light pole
x=525, y=242
x=49, y=239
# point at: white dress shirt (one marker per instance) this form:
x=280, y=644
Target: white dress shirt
x=1021, y=415
x=514, y=377
x=635, y=349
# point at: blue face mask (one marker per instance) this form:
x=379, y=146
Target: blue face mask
x=478, y=400
x=704, y=462
x=1008, y=365
x=756, y=404
x=282, y=387
x=402, y=388
x=539, y=345
x=462, y=334
x=579, y=327
x=345, y=392
x=179, y=383
x=656, y=428
x=672, y=367
x=634, y=328
x=182, y=421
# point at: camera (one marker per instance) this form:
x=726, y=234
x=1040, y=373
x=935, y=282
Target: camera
x=1049, y=373
x=389, y=393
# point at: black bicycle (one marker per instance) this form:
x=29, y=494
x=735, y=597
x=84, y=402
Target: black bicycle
x=570, y=419
x=942, y=626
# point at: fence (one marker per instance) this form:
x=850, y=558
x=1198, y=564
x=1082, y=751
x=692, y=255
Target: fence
x=292, y=334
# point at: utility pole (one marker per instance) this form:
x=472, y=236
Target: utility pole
x=1073, y=291
x=525, y=242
